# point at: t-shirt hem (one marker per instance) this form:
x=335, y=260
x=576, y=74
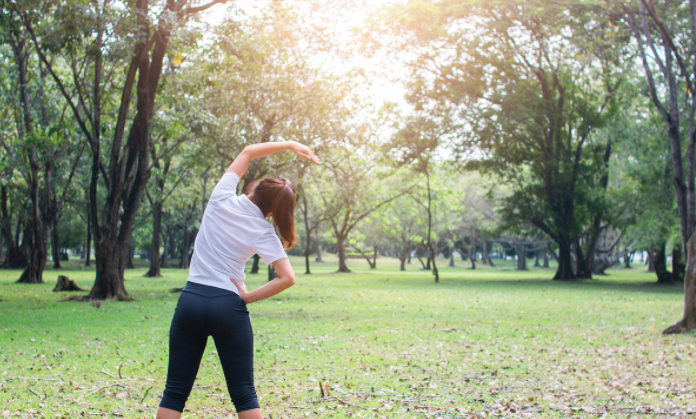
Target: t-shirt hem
x=235, y=290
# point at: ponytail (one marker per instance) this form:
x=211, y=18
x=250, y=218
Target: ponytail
x=276, y=196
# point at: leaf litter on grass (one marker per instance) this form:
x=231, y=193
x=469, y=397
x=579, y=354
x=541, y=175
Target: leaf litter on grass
x=473, y=346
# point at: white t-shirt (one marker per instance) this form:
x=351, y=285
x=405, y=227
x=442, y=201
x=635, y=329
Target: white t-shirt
x=233, y=230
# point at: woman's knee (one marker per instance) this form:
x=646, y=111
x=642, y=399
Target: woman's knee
x=245, y=401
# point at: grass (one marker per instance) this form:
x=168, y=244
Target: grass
x=388, y=344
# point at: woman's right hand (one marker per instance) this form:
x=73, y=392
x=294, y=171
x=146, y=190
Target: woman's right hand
x=303, y=151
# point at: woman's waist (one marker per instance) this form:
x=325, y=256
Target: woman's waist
x=208, y=290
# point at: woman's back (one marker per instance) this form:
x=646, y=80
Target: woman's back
x=233, y=229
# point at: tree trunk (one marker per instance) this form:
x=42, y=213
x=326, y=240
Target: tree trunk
x=15, y=258
x=627, y=260
x=373, y=265
x=109, y=283
x=472, y=259
x=419, y=257
x=155, y=263
x=536, y=259
x=27, y=246
x=688, y=321
x=272, y=274
x=318, y=247
x=55, y=246
x=342, y=267
x=129, y=258
x=663, y=275
x=366, y=257
x=583, y=268
x=472, y=252
x=306, y=255
x=185, y=250
x=402, y=261
x=451, y=257
x=677, y=265
x=546, y=259
x=33, y=273
x=487, y=255
x=564, y=271
x=308, y=231
x=521, y=251
x=168, y=247
x=409, y=254
x=255, y=265
x=88, y=246
x=651, y=260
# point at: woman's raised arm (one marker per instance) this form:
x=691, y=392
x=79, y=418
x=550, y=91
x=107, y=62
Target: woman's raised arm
x=251, y=152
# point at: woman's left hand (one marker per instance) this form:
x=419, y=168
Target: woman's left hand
x=303, y=151
x=241, y=287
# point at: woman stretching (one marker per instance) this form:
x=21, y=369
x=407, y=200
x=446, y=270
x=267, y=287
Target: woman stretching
x=213, y=302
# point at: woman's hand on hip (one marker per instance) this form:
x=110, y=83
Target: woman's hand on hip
x=241, y=288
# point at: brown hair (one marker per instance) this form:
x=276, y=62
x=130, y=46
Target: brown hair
x=276, y=196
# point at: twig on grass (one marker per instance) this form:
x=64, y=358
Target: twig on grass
x=114, y=413
x=107, y=386
x=34, y=378
x=119, y=372
x=35, y=393
x=107, y=373
x=145, y=395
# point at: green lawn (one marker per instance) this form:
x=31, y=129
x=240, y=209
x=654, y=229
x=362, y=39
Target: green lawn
x=388, y=344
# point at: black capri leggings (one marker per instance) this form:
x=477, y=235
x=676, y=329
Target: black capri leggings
x=204, y=311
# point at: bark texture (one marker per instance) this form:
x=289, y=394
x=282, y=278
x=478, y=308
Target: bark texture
x=663, y=275
x=15, y=258
x=688, y=321
x=55, y=246
x=155, y=264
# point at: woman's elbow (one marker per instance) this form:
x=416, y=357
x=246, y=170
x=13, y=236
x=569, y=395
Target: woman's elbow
x=290, y=280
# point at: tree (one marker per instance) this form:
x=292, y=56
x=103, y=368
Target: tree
x=413, y=145
x=351, y=190
x=42, y=142
x=666, y=38
x=403, y=225
x=311, y=214
x=527, y=85
x=96, y=31
x=644, y=163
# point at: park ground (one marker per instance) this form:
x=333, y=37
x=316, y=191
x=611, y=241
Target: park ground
x=490, y=342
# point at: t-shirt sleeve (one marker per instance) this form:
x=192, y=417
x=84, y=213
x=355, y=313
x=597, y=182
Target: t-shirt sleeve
x=269, y=247
x=226, y=187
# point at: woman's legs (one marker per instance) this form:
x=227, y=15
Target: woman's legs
x=247, y=414
x=164, y=413
x=188, y=336
x=227, y=320
x=234, y=341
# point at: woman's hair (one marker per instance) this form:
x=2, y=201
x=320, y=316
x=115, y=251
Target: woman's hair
x=276, y=196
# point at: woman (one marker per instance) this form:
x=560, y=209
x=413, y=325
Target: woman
x=213, y=302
